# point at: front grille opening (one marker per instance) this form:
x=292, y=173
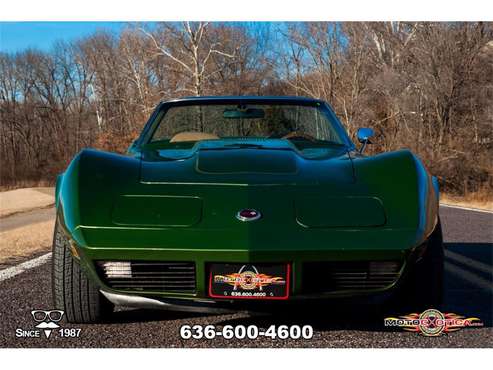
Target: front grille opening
x=148, y=275
x=320, y=277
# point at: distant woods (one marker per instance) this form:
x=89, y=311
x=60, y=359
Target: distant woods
x=423, y=86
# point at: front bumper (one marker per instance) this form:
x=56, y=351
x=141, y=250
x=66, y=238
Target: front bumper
x=211, y=306
x=376, y=245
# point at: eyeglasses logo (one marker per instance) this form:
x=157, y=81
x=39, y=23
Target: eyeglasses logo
x=47, y=319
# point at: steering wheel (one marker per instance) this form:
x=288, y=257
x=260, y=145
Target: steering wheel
x=299, y=135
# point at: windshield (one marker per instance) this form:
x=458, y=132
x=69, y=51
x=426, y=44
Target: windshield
x=297, y=123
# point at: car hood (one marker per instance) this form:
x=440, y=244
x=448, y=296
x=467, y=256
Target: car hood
x=273, y=162
x=187, y=203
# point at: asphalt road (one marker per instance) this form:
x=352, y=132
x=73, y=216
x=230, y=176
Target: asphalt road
x=469, y=292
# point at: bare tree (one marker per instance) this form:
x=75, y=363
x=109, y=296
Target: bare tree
x=423, y=86
x=189, y=47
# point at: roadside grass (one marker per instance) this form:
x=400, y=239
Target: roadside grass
x=25, y=240
x=481, y=200
x=21, y=184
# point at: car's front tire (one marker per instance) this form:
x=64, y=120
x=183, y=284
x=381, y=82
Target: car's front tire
x=423, y=287
x=72, y=291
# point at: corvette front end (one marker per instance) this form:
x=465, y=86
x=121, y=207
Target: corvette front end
x=230, y=222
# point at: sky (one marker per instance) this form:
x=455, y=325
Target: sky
x=17, y=36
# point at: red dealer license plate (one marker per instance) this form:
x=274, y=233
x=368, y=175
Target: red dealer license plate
x=249, y=281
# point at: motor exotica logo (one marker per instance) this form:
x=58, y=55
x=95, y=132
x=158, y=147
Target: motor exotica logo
x=432, y=323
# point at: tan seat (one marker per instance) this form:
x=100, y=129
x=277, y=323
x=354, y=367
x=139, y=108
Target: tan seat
x=193, y=136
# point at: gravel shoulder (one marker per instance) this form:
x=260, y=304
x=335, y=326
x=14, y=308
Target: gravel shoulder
x=22, y=200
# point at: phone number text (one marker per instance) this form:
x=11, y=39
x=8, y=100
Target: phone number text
x=246, y=332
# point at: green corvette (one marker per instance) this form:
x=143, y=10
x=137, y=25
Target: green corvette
x=227, y=203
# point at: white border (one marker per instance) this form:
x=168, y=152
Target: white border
x=250, y=359
x=251, y=10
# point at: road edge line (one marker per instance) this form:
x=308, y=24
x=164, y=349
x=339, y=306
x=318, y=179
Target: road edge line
x=470, y=277
x=10, y=272
x=465, y=208
x=470, y=262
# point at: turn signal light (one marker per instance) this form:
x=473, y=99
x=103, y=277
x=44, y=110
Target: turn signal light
x=117, y=269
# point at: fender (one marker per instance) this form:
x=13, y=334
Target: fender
x=89, y=185
x=407, y=190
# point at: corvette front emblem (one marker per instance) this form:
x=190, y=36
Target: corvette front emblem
x=248, y=215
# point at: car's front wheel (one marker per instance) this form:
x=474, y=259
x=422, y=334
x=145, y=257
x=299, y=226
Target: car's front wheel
x=73, y=292
x=423, y=287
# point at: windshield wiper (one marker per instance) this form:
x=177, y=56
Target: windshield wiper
x=318, y=142
x=244, y=145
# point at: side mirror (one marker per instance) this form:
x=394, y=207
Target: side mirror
x=131, y=148
x=364, y=134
